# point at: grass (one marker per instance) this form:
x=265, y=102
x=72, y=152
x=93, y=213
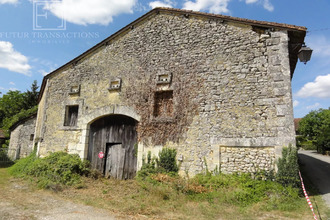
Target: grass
x=160, y=198
x=202, y=197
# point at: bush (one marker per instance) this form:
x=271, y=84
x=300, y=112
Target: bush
x=53, y=171
x=288, y=168
x=165, y=163
x=167, y=160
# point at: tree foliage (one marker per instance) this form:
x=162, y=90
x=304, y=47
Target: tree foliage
x=315, y=127
x=15, y=105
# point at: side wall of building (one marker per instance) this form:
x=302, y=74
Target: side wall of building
x=21, y=140
x=230, y=83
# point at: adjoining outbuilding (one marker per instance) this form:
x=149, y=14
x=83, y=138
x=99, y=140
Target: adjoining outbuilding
x=21, y=137
x=214, y=87
x=2, y=137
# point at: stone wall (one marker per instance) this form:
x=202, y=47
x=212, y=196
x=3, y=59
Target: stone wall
x=246, y=159
x=21, y=141
x=231, y=87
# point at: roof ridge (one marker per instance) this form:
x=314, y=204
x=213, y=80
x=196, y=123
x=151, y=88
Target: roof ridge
x=275, y=24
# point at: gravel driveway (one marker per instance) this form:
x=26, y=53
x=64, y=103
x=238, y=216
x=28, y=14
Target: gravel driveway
x=19, y=202
x=317, y=167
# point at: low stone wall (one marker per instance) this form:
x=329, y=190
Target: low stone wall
x=247, y=159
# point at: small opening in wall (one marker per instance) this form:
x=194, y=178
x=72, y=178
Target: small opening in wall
x=31, y=137
x=71, y=115
x=74, y=90
x=163, y=106
x=115, y=85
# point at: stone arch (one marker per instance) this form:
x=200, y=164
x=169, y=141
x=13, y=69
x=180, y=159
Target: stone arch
x=109, y=110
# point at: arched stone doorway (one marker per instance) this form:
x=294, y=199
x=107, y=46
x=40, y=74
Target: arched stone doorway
x=116, y=137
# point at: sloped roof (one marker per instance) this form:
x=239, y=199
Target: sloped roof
x=296, y=123
x=296, y=35
x=31, y=116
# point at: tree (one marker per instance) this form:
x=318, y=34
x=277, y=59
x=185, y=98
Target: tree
x=13, y=102
x=31, y=96
x=315, y=126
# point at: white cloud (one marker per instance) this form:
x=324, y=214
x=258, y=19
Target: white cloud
x=43, y=72
x=320, y=88
x=13, y=89
x=250, y=1
x=165, y=4
x=295, y=103
x=8, y=1
x=13, y=60
x=85, y=12
x=213, y=6
x=12, y=83
x=268, y=6
x=320, y=46
x=44, y=66
x=316, y=105
x=265, y=3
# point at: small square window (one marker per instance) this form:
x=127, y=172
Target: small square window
x=115, y=85
x=74, y=90
x=163, y=104
x=71, y=115
x=164, y=78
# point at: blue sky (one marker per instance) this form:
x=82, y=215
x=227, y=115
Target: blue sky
x=35, y=39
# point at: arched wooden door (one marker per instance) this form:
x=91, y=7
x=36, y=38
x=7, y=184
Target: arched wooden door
x=115, y=136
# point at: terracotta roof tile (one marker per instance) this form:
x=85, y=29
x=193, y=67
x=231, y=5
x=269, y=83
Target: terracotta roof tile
x=296, y=123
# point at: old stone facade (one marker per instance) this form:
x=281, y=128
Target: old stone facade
x=216, y=88
x=21, y=138
x=2, y=137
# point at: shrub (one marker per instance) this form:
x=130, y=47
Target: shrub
x=165, y=163
x=167, y=160
x=53, y=171
x=288, y=168
x=21, y=165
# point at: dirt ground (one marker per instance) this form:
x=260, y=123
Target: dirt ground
x=19, y=201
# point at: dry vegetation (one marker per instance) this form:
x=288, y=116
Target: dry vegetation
x=135, y=199
x=161, y=201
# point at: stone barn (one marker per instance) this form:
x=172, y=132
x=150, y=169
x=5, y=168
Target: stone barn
x=21, y=137
x=216, y=88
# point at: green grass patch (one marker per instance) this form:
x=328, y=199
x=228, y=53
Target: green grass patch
x=238, y=190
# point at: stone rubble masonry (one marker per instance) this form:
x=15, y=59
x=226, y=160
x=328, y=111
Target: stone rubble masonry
x=244, y=114
x=20, y=144
x=246, y=159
